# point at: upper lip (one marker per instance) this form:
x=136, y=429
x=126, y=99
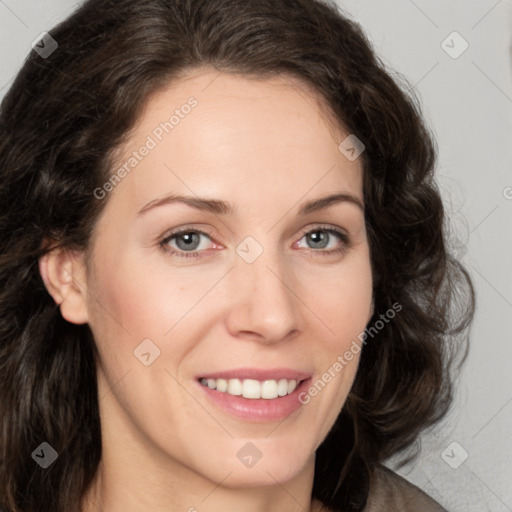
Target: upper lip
x=257, y=374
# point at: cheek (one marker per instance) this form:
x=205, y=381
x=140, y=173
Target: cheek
x=131, y=300
x=144, y=300
x=344, y=308
x=343, y=301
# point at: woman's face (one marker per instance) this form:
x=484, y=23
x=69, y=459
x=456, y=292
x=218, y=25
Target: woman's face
x=261, y=290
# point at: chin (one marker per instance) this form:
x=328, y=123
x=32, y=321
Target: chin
x=259, y=463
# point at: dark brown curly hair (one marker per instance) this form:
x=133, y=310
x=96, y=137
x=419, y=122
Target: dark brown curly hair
x=61, y=123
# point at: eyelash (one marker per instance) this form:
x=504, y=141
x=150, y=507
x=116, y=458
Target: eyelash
x=197, y=254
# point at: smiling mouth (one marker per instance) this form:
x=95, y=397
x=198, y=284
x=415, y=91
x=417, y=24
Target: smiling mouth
x=251, y=388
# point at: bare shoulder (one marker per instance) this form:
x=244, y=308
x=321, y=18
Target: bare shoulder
x=391, y=492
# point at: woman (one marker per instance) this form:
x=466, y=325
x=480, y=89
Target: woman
x=224, y=276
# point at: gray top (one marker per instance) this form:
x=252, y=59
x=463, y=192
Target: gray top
x=389, y=492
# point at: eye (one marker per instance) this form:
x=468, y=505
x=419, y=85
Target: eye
x=320, y=237
x=186, y=242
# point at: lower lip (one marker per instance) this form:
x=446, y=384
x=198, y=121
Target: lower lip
x=257, y=409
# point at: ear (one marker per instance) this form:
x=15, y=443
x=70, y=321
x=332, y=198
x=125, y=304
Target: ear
x=64, y=274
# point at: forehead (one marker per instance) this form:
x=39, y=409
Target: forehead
x=214, y=133
x=243, y=99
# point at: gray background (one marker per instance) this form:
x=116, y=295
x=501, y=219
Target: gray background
x=468, y=103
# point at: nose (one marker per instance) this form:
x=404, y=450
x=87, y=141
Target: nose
x=264, y=305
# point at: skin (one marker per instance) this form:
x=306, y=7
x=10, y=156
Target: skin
x=266, y=146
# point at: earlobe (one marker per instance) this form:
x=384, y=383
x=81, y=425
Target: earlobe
x=63, y=273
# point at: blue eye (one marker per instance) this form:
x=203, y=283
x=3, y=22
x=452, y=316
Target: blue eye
x=326, y=236
x=188, y=240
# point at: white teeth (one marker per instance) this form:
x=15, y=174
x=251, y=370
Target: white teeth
x=282, y=387
x=251, y=388
x=292, y=384
x=269, y=389
x=234, y=387
x=222, y=385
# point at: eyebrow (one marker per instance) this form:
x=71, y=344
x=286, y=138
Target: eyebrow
x=220, y=207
